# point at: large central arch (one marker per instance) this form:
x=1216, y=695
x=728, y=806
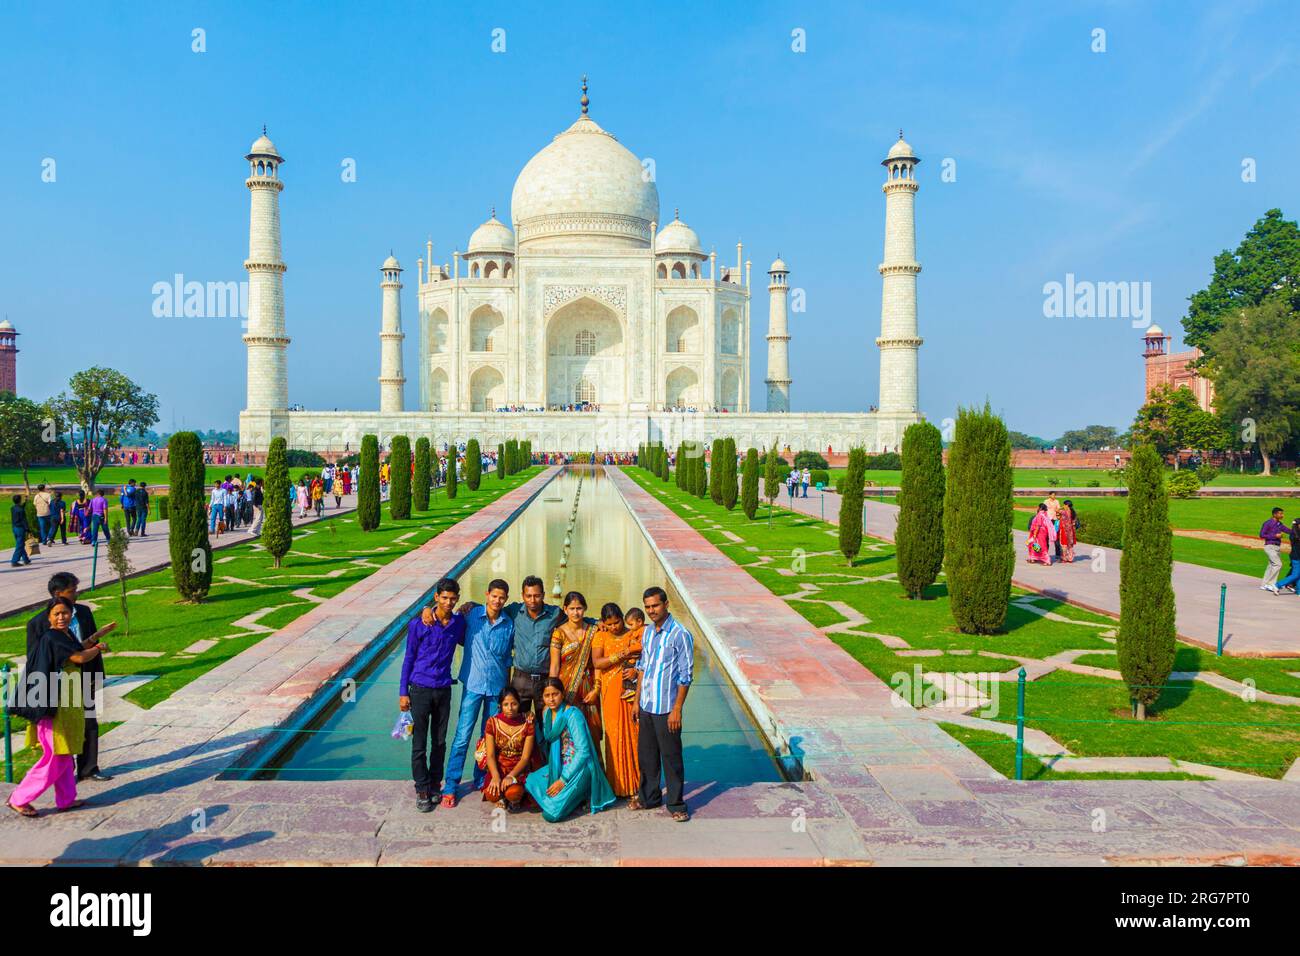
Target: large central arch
x=584, y=340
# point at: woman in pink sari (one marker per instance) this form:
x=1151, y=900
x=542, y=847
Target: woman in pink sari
x=1041, y=537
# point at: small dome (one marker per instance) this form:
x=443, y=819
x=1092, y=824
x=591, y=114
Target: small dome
x=1153, y=332
x=678, y=237
x=493, y=236
x=263, y=146
x=6, y=325
x=901, y=150
x=778, y=265
x=391, y=263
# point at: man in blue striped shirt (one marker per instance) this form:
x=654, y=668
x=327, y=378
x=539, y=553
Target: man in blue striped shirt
x=666, y=665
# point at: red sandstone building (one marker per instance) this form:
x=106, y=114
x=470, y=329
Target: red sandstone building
x=1174, y=368
x=8, y=358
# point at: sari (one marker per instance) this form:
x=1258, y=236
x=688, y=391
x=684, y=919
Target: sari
x=1066, y=535
x=621, y=766
x=577, y=673
x=1041, y=536
x=571, y=757
x=509, y=737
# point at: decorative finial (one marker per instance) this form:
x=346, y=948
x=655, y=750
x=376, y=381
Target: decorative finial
x=584, y=101
x=263, y=129
x=677, y=214
x=494, y=212
x=900, y=132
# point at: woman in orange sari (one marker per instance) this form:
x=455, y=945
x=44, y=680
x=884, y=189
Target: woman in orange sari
x=571, y=645
x=614, y=650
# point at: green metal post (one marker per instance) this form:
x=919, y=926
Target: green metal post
x=9, y=743
x=1223, y=601
x=94, y=559
x=823, y=506
x=1020, y=725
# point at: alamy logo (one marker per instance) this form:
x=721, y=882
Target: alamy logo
x=103, y=909
x=1084, y=299
x=199, y=300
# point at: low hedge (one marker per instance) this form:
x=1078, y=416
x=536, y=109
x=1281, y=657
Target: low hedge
x=822, y=477
x=1104, y=528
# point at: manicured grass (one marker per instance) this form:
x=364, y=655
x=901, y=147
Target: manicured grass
x=327, y=557
x=798, y=554
x=1271, y=675
x=1079, y=478
x=1235, y=515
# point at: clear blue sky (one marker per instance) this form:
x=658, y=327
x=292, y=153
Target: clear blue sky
x=1115, y=166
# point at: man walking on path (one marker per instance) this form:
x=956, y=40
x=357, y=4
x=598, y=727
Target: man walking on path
x=1272, y=532
x=666, y=665
x=42, y=500
x=18, y=521
x=126, y=497
x=98, y=515
x=484, y=671
x=425, y=687
x=141, y=508
x=259, y=503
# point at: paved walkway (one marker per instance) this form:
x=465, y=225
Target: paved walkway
x=25, y=587
x=888, y=787
x=1256, y=624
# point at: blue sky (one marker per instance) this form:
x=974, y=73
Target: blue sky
x=1124, y=165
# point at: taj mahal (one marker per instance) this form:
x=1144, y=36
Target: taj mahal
x=582, y=325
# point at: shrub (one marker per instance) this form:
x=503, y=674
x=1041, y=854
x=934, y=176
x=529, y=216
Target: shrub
x=473, y=464
x=664, y=472
x=1053, y=482
x=810, y=460
x=729, y=486
x=399, y=476
x=821, y=476
x=501, y=461
x=453, y=483
x=187, y=536
x=1182, y=484
x=851, y=507
x=715, y=472
x=368, y=484
x=771, y=478
x=277, y=525
x=919, y=538
x=1094, y=483
x=886, y=461
x=1207, y=473
x=297, y=458
x=1145, y=645
x=423, y=476
x=978, y=552
x=1104, y=528
x=164, y=508
x=749, y=484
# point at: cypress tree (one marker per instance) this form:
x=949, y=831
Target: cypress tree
x=771, y=477
x=1146, y=594
x=187, y=537
x=681, y=463
x=919, y=538
x=851, y=505
x=729, y=486
x=399, y=471
x=978, y=552
x=368, y=484
x=701, y=472
x=749, y=497
x=277, y=522
x=528, y=454
x=715, y=471
x=453, y=484
x=501, y=461
x=473, y=464
x=422, y=479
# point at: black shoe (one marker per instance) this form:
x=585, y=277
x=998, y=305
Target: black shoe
x=96, y=775
x=422, y=802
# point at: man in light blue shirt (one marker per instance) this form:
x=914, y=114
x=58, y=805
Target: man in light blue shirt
x=484, y=671
x=667, y=666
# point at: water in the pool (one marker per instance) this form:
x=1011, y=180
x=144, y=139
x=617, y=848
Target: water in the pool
x=609, y=560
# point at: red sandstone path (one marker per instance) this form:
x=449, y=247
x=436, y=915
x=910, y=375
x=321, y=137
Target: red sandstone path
x=888, y=787
x=1256, y=623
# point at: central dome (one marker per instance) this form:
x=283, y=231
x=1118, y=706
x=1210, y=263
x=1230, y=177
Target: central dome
x=585, y=183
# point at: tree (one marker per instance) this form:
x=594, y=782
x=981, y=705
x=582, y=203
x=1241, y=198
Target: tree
x=187, y=535
x=399, y=477
x=749, y=484
x=978, y=552
x=103, y=405
x=1172, y=420
x=118, y=543
x=368, y=484
x=851, y=505
x=919, y=538
x=277, y=522
x=1265, y=265
x=501, y=461
x=1092, y=438
x=664, y=472
x=473, y=464
x=1255, y=367
x=715, y=471
x=1145, y=645
x=1031, y=442
x=729, y=486
x=811, y=460
x=453, y=483
x=28, y=433
x=771, y=478
x=423, y=477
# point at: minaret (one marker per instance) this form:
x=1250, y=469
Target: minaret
x=898, y=342
x=778, y=339
x=390, y=338
x=268, y=383
x=8, y=357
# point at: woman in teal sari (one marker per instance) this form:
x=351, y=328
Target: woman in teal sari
x=572, y=775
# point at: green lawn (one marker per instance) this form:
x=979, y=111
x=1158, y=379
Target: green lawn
x=1079, y=478
x=116, y=475
x=1193, y=722
x=327, y=557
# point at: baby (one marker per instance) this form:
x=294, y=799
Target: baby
x=635, y=621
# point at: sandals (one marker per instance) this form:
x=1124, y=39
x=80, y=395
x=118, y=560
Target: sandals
x=449, y=800
x=680, y=816
x=634, y=803
x=26, y=810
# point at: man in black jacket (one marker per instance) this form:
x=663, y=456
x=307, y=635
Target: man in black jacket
x=64, y=585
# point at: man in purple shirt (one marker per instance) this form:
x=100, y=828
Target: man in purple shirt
x=425, y=687
x=1272, y=532
x=98, y=515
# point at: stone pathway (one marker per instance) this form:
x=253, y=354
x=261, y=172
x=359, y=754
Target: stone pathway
x=1256, y=624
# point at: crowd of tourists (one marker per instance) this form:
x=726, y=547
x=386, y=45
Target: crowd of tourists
x=86, y=518
x=567, y=710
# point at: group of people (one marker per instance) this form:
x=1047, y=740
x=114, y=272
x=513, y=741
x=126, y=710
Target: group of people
x=86, y=517
x=1053, y=529
x=235, y=503
x=569, y=709
x=57, y=697
x=1271, y=533
x=798, y=477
